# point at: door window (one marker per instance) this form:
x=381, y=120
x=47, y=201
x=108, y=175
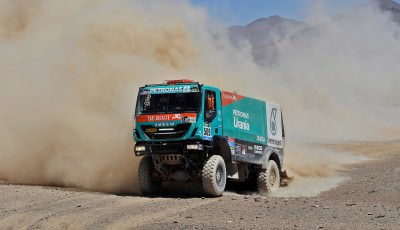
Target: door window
x=210, y=106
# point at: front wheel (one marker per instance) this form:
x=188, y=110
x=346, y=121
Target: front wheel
x=148, y=186
x=268, y=179
x=214, y=176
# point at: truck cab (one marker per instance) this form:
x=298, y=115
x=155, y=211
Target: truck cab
x=186, y=131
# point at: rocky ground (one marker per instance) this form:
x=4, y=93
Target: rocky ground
x=369, y=199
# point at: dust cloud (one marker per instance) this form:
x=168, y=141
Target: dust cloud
x=69, y=73
x=340, y=81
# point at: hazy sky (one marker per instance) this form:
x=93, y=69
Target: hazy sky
x=243, y=12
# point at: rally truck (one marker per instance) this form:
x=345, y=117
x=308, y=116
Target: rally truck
x=187, y=131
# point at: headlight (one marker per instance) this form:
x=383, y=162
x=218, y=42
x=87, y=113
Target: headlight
x=140, y=148
x=194, y=147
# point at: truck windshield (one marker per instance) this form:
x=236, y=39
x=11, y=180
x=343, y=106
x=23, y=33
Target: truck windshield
x=169, y=103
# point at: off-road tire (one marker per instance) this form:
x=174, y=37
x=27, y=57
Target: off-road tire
x=268, y=179
x=214, y=176
x=148, y=186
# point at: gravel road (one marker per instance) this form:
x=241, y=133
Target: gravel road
x=368, y=199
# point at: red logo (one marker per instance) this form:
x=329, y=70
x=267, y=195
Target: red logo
x=165, y=117
x=229, y=98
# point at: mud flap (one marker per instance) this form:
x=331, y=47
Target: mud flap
x=285, y=179
x=232, y=171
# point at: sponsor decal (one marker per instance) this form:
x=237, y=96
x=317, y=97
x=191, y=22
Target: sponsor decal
x=238, y=149
x=164, y=124
x=207, y=132
x=243, y=149
x=258, y=149
x=246, y=151
x=240, y=120
x=229, y=98
x=273, y=124
x=274, y=142
x=195, y=90
x=231, y=140
x=166, y=117
x=170, y=89
x=261, y=138
x=250, y=152
x=151, y=130
x=241, y=114
x=231, y=143
x=176, y=117
x=189, y=119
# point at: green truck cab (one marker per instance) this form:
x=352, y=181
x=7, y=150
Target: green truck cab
x=187, y=131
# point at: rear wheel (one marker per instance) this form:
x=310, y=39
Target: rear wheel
x=268, y=179
x=148, y=186
x=214, y=176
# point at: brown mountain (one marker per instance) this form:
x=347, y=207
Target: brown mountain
x=264, y=33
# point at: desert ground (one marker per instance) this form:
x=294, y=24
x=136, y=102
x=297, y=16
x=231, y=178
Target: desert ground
x=368, y=199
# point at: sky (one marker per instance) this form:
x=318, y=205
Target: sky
x=241, y=12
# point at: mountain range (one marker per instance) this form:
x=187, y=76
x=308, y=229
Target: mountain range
x=264, y=33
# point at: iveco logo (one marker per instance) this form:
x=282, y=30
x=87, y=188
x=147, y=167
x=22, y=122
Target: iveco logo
x=164, y=124
x=274, y=129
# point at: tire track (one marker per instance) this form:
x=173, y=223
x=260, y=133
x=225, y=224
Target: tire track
x=37, y=207
x=152, y=215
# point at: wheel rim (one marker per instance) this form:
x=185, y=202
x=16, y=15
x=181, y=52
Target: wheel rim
x=219, y=174
x=272, y=177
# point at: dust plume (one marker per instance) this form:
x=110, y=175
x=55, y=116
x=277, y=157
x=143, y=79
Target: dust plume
x=69, y=73
x=342, y=78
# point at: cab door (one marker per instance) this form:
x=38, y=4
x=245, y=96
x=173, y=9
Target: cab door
x=212, y=114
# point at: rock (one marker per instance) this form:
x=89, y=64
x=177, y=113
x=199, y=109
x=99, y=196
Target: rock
x=257, y=199
x=315, y=206
x=246, y=197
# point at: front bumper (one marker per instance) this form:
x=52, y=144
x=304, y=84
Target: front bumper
x=149, y=148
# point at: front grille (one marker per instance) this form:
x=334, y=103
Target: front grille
x=171, y=159
x=173, y=132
